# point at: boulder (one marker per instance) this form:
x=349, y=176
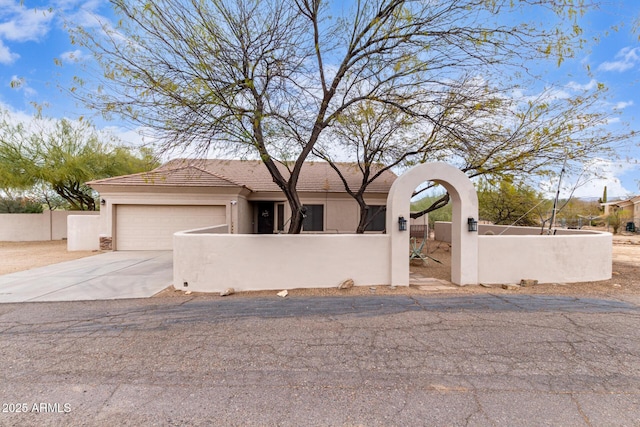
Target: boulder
x=347, y=284
x=228, y=291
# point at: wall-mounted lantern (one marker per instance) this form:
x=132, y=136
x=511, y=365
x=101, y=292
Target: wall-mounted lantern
x=472, y=224
x=103, y=202
x=402, y=224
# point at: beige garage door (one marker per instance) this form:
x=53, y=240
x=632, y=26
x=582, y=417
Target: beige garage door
x=151, y=227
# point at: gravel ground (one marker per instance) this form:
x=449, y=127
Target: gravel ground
x=20, y=256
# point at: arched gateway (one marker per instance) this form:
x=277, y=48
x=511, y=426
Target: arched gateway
x=464, y=250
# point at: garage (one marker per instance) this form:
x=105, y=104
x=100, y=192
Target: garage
x=151, y=227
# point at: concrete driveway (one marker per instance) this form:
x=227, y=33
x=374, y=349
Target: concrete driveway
x=113, y=275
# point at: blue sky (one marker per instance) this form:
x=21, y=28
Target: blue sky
x=33, y=38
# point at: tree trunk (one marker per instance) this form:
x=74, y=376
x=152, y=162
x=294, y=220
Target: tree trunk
x=364, y=213
x=295, y=225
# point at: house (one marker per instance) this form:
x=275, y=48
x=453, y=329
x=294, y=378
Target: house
x=142, y=211
x=628, y=209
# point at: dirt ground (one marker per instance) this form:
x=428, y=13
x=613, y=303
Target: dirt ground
x=18, y=256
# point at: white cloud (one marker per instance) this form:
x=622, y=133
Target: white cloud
x=585, y=87
x=596, y=175
x=18, y=83
x=17, y=23
x=627, y=58
x=623, y=104
x=73, y=56
x=6, y=56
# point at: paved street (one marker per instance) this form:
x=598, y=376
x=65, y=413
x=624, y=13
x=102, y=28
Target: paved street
x=439, y=360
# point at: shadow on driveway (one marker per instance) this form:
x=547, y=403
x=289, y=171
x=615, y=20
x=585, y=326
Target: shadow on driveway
x=113, y=275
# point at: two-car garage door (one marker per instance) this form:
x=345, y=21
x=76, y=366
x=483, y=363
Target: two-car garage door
x=151, y=227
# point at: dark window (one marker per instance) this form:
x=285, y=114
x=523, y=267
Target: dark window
x=314, y=218
x=376, y=218
x=280, y=217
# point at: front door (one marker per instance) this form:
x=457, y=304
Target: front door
x=265, y=217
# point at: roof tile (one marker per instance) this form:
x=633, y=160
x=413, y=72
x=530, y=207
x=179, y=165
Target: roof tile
x=314, y=176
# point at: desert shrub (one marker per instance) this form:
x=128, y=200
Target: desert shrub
x=19, y=205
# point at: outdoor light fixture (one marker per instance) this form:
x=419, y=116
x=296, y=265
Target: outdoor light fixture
x=402, y=224
x=472, y=224
x=103, y=202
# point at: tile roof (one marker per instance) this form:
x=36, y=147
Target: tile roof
x=252, y=174
x=181, y=176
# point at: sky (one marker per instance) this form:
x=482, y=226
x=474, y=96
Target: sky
x=38, y=61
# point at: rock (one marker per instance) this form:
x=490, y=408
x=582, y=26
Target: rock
x=228, y=291
x=485, y=285
x=283, y=294
x=615, y=273
x=616, y=285
x=528, y=282
x=393, y=287
x=106, y=243
x=188, y=293
x=372, y=289
x=347, y=284
x=511, y=286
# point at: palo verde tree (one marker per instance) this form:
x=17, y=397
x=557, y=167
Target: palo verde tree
x=507, y=203
x=377, y=138
x=477, y=128
x=60, y=157
x=268, y=78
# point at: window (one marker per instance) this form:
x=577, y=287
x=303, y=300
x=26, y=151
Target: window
x=376, y=218
x=280, y=212
x=314, y=218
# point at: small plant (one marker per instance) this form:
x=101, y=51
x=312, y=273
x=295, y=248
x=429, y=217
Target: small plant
x=615, y=221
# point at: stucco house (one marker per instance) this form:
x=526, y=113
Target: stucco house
x=629, y=209
x=142, y=211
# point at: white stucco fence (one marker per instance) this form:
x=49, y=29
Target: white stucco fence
x=48, y=225
x=569, y=256
x=206, y=261
x=548, y=259
x=214, y=262
x=83, y=233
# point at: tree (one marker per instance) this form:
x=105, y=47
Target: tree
x=268, y=78
x=443, y=213
x=478, y=129
x=508, y=204
x=577, y=212
x=19, y=205
x=379, y=137
x=61, y=157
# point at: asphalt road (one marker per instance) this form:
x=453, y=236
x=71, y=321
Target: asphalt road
x=481, y=360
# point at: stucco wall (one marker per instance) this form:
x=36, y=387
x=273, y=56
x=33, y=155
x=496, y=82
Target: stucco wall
x=523, y=253
x=442, y=231
x=83, y=233
x=49, y=225
x=214, y=262
x=548, y=259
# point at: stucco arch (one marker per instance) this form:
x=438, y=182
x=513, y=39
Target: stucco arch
x=464, y=251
